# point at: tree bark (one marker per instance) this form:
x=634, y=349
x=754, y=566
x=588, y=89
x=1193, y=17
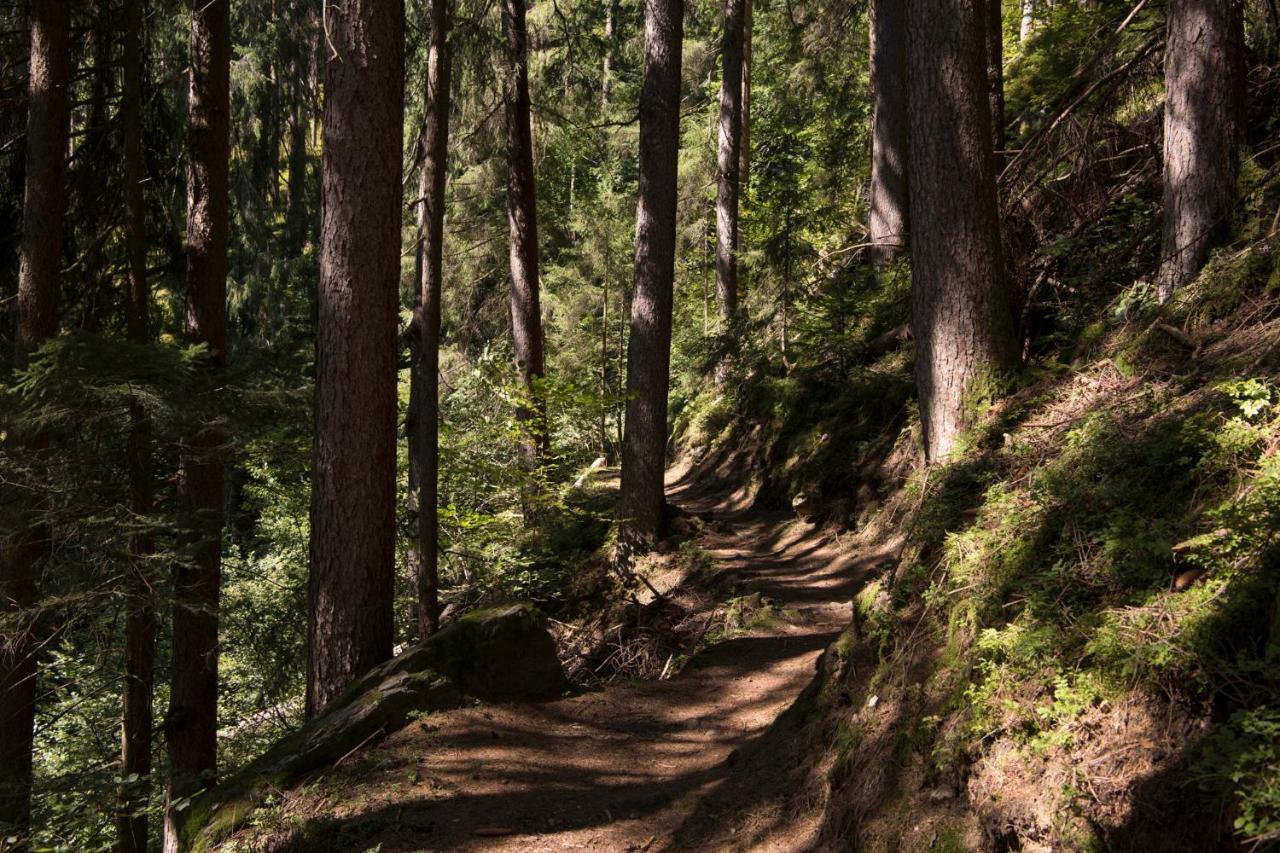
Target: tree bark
x=649, y=354
x=606, y=70
x=353, y=480
x=1028, y=23
x=728, y=157
x=192, y=721
x=1203, y=128
x=748, y=31
x=889, y=130
x=962, y=314
x=140, y=624
x=426, y=334
x=995, y=79
x=522, y=218
x=728, y=167
x=39, y=267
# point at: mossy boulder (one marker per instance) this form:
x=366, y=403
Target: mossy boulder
x=501, y=654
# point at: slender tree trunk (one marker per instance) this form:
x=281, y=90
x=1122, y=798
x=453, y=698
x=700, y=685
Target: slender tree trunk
x=39, y=266
x=522, y=218
x=748, y=32
x=962, y=315
x=889, y=129
x=354, y=463
x=426, y=368
x=96, y=147
x=140, y=623
x=296, y=217
x=620, y=360
x=649, y=355
x=1028, y=23
x=192, y=720
x=995, y=78
x=728, y=165
x=1203, y=124
x=606, y=72
x=604, y=365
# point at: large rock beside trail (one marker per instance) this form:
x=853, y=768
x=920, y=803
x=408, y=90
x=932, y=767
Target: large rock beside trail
x=500, y=654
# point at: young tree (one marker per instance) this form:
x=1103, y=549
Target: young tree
x=649, y=355
x=963, y=324
x=424, y=427
x=1203, y=121
x=889, y=129
x=353, y=478
x=140, y=624
x=728, y=160
x=192, y=721
x=40, y=263
x=522, y=219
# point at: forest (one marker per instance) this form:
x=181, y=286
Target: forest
x=639, y=425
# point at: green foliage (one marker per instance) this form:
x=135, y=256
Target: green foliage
x=1244, y=755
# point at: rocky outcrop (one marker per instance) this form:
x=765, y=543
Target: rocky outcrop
x=501, y=654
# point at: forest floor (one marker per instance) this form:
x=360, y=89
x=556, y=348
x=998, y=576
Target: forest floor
x=640, y=765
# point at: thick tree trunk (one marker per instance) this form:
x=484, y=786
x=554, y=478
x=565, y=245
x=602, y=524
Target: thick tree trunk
x=963, y=320
x=995, y=78
x=1204, y=83
x=21, y=556
x=426, y=332
x=522, y=218
x=889, y=130
x=140, y=624
x=192, y=720
x=354, y=463
x=649, y=354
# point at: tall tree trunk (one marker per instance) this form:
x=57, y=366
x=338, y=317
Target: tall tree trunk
x=995, y=79
x=649, y=354
x=1203, y=128
x=192, y=720
x=353, y=477
x=426, y=333
x=39, y=266
x=606, y=71
x=963, y=320
x=296, y=217
x=889, y=129
x=744, y=156
x=522, y=218
x=140, y=623
x=86, y=186
x=728, y=166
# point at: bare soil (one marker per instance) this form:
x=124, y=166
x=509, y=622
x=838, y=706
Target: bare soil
x=633, y=766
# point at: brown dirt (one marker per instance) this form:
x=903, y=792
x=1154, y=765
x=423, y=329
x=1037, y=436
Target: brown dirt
x=628, y=767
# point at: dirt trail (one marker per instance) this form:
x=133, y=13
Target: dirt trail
x=624, y=768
